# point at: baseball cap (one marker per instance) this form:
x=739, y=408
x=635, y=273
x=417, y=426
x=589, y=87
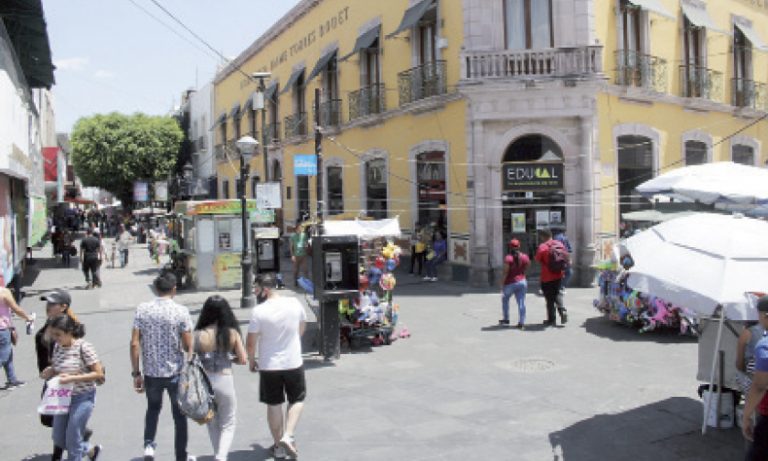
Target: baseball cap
x=514, y=243
x=762, y=304
x=57, y=297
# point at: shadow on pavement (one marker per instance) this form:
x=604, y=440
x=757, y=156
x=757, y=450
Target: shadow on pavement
x=45, y=457
x=665, y=430
x=150, y=271
x=258, y=453
x=605, y=328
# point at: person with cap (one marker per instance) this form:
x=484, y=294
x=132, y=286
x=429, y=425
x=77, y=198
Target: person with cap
x=551, y=280
x=91, y=255
x=57, y=302
x=124, y=240
x=8, y=306
x=756, y=430
x=513, y=281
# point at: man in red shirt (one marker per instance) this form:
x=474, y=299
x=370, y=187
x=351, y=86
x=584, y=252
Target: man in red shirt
x=550, y=280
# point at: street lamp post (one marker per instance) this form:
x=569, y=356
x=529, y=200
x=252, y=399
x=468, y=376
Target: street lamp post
x=247, y=146
x=260, y=103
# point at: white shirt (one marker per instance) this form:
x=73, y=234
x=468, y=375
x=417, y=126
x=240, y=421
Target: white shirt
x=277, y=321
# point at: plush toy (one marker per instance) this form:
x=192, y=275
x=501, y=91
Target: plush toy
x=380, y=262
x=374, y=275
x=387, y=282
x=390, y=251
x=391, y=265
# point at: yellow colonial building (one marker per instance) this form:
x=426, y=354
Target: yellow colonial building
x=491, y=118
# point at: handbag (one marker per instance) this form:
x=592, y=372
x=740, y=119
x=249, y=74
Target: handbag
x=56, y=399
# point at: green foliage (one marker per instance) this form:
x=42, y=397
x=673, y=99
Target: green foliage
x=112, y=151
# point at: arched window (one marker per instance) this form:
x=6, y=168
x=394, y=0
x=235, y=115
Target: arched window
x=533, y=147
x=431, y=189
x=635, y=167
x=695, y=153
x=335, y=175
x=743, y=154
x=376, y=178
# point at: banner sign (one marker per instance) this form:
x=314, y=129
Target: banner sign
x=140, y=191
x=161, y=191
x=215, y=207
x=268, y=195
x=262, y=216
x=305, y=165
x=532, y=176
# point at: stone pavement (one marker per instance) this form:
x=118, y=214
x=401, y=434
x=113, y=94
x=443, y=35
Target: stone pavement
x=459, y=388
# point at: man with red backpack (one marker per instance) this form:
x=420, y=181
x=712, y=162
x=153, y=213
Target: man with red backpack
x=554, y=260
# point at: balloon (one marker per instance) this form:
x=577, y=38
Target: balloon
x=387, y=282
x=391, y=264
x=380, y=262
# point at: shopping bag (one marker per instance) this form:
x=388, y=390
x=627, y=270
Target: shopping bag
x=56, y=399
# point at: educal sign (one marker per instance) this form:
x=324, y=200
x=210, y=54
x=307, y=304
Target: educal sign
x=532, y=176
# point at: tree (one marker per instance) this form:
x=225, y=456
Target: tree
x=112, y=151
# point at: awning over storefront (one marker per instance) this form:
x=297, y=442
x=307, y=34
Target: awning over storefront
x=298, y=72
x=412, y=16
x=699, y=16
x=25, y=22
x=654, y=6
x=751, y=34
x=364, y=41
x=235, y=112
x=323, y=62
x=269, y=92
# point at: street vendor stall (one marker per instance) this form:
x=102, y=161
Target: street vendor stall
x=212, y=241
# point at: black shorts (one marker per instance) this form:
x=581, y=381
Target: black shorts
x=276, y=385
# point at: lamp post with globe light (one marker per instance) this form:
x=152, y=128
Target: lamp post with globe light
x=246, y=146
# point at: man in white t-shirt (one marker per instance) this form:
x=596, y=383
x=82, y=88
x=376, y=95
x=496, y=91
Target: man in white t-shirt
x=277, y=324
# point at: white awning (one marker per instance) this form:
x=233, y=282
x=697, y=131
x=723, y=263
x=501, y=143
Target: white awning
x=654, y=6
x=363, y=228
x=751, y=35
x=699, y=17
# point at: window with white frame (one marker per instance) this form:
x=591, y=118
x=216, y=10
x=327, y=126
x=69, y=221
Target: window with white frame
x=528, y=24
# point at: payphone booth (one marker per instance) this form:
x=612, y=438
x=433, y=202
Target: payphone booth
x=266, y=244
x=335, y=263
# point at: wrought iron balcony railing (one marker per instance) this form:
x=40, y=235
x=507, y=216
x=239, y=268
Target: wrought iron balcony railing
x=749, y=93
x=641, y=70
x=367, y=101
x=295, y=125
x=700, y=82
x=422, y=82
x=330, y=113
x=551, y=62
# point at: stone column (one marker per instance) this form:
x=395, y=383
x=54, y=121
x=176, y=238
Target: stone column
x=480, y=267
x=585, y=254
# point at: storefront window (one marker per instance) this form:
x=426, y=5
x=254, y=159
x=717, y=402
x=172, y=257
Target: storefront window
x=335, y=190
x=376, y=188
x=302, y=197
x=635, y=167
x=225, y=188
x=430, y=177
x=528, y=24
x=695, y=153
x=744, y=155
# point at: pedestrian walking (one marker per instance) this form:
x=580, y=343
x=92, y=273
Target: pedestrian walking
x=568, y=273
x=57, y=302
x=66, y=248
x=418, y=249
x=513, y=282
x=162, y=330
x=298, y=247
x=8, y=307
x=124, y=240
x=553, y=258
x=74, y=361
x=217, y=335
x=438, y=256
x=757, y=399
x=91, y=256
x=276, y=326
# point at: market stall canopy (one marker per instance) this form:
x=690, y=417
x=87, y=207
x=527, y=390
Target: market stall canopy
x=701, y=262
x=655, y=216
x=711, y=183
x=363, y=228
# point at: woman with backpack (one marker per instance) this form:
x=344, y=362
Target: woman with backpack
x=513, y=281
x=75, y=362
x=217, y=337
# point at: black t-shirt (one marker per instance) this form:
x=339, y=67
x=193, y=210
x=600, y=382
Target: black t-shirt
x=90, y=246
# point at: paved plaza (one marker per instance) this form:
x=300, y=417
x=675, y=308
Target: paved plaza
x=460, y=388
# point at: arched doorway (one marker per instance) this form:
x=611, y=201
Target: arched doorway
x=533, y=190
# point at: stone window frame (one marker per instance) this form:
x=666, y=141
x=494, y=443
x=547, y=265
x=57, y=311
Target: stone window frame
x=372, y=154
x=328, y=163
x=432, y=145
x=695, y=135
x=742, y=140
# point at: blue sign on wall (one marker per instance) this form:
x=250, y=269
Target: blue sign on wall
x=305, y=165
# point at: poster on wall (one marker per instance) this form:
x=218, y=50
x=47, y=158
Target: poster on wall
x=227, y=270
x=140, y=191
x=518, y=223
x=555, y=218
x=542, y=219
x=268, y=195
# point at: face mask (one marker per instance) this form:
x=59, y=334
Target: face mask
x=261, y=297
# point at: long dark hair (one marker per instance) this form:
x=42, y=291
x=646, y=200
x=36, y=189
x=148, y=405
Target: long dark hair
x=216, y=311
x=68, y=325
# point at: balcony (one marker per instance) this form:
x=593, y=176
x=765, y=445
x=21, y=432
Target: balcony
x=700, y=82
x=422, y=82
x=555, y=62
x=295, y=125
x=272, y=132
x=330, y=113
x=367, y=101
x=749, y=93
x=641, y=70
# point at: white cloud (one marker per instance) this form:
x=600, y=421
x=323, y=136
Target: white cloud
x=102, y=74
x=75, y=64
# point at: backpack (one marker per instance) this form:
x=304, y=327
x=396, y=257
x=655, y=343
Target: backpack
x=196, y=398
x=558, y=258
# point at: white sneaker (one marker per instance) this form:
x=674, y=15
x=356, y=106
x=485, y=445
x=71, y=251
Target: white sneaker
x=288, y=442
x=278, y=452
x=427, y=278
x=191, y=458
x=433, y=279
x=149, y=453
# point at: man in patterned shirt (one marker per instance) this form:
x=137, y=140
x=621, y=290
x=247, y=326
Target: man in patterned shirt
x=162, y=331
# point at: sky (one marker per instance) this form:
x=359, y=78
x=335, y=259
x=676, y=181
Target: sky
x=129, y=56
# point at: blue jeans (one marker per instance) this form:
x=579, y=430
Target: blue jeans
x=123, y=258
x=566, y=278
x=519, y=289
x=153, y=388
x=6, y=355
x=68, y=429
x=433, y=263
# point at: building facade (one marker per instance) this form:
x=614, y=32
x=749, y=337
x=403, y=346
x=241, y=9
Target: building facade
x=490, y=119
x=200, y=107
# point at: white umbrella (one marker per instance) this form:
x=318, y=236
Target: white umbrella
x=705, y=262
x=711, y=183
